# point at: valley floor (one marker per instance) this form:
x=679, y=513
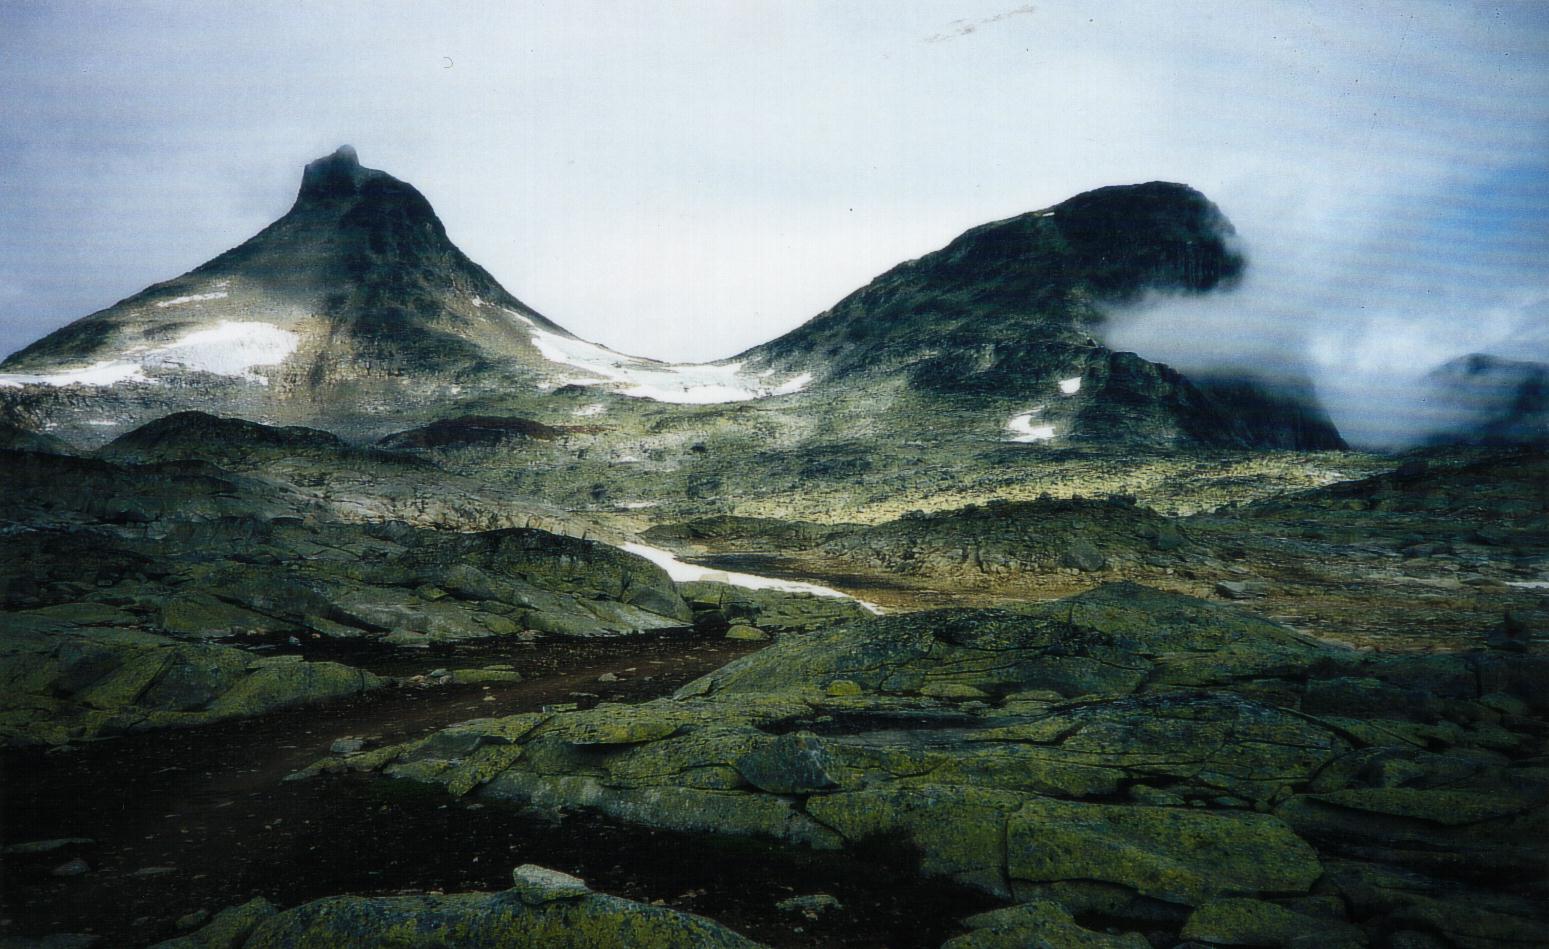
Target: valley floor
x=1325, y=673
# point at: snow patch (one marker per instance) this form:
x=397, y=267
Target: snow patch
x=194, y=298
x=1070, y=386
x=637, y=505
x=1022, y=428
x=106, y=373
x=226, y=349
x=681, y=572
x=587, y=411
x=682, y=383
x=1529, y=584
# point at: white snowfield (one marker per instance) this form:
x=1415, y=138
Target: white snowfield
x=1023, y=430
x=681, y=572
x=682, y=383
x=1070, y=386
x=226, y=349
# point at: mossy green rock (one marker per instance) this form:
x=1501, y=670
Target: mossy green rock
x=1038, y=924
x=505, y=920
x=64, y=683
x=229, y=929
x=1123, y=754
x=1174, y=854
x=746, y=633
x=1249, y=922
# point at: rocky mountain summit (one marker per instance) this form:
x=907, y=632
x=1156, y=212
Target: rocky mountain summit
x=1011, y=308
x=355, y=313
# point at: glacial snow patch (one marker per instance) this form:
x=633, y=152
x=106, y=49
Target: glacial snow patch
x=1022, y=428
x=681, y=572
x=683, y=383
x=226, y=349
x=1070, y=386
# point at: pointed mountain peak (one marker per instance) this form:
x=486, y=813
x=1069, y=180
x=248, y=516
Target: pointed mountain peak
x=335, y=176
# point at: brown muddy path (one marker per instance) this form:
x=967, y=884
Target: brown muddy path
x=194, y=820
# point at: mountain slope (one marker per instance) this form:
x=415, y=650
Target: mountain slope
x=1015, y=284
x=1009, y=310
x=1487, y=400
x=353, y=306
x=355, y=313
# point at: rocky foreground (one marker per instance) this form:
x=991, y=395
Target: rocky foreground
x=1122, y=768
x=139, y=596
x=544, y=908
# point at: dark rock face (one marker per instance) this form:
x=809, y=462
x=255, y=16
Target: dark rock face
x=364, y=301
x=1029, y=279
x=178, y=434
x=1280, y=414
x=385, y=318
x=334, y=177
x=1124, y=240
x=16, y=438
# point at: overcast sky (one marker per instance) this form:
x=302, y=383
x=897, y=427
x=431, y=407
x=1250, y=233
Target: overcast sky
x=683, y=180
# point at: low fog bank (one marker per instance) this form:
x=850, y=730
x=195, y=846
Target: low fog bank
x=1365, y=311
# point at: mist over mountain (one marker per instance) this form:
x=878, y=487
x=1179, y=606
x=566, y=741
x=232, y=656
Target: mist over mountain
x=1365, y=312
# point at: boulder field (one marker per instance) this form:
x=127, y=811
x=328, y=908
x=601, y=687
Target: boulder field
x=1121, y=766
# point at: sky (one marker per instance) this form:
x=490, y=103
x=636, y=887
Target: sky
x=684, y=180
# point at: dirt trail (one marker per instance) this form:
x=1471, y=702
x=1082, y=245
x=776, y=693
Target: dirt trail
x=198, y=819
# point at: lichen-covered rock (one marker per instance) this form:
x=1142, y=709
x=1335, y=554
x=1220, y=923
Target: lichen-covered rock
x=1173, y=854
x=766, y=609
x=60, y=682
x=744, y=633
x=229, y=929
x=1123, y=754
x=1037, y=924
x=546, y=910
x=1249, y=922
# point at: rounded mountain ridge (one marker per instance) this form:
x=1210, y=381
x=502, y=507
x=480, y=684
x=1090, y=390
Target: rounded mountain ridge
x=354, y=311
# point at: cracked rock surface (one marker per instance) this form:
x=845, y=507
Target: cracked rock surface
x=1145, y=763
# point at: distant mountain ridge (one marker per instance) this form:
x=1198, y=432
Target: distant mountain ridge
x=1011, y=308
x=1482, y=399
x=354, y=312
x=1032, y=279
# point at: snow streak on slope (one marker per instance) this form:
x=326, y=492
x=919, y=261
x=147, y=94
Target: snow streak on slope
x=685, y=383
x=194, y=298
x=681, y=572
x=226, y=349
